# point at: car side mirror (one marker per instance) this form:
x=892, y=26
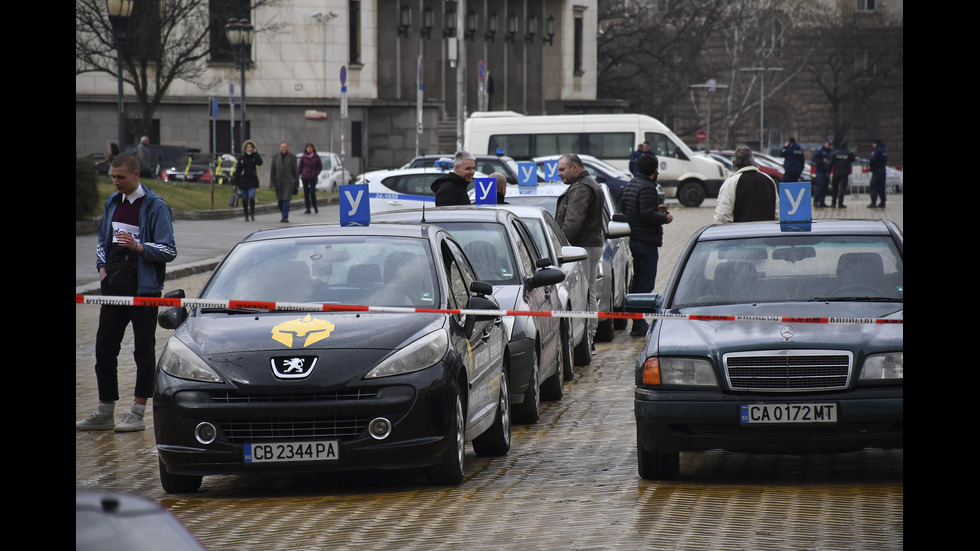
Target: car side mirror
x=171, y=318
x=643, y=302
x=545, y=276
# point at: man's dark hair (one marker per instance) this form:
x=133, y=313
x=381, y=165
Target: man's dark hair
x=742, y=157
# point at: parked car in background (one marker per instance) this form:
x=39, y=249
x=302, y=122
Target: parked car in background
x=404, y=188
x=860, y=178
x=107, y=520
x=615, y=265
x=332, y=174
x=187, y=168
x=485, y=164
x=766, y=165
x=802, y=371
x=504, y=254
x=243, y=386
x=163, y=156
x=601, y=171
x=573, y=292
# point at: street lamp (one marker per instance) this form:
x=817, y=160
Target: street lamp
x=119, y=11
x=711, y=85
x=762, y=97
x=240, y=33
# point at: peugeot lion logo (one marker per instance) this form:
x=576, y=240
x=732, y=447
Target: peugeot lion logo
x=293, y=367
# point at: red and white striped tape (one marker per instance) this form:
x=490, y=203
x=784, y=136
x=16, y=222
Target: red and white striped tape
x=313, y=307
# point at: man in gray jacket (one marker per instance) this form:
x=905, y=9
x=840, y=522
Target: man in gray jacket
x=579, y=213
x=285, y=178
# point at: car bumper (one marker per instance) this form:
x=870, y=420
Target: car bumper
x=705, y=421
x=419, y=415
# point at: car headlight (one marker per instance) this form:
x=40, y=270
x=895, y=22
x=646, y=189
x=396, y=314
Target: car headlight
x=180, y=361
x=417, y=356
x=678, y=371
x=879, y=367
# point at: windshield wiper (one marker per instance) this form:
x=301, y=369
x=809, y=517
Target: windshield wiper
x=855, y=299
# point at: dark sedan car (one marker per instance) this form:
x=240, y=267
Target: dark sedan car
x=504, y=254
x=245, y=385
x=781, y=342
x=188, y=168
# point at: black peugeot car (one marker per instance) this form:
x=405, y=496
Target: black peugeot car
x=323, y=348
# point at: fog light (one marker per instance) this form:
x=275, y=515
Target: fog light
x=379, y=428
x=205, y=433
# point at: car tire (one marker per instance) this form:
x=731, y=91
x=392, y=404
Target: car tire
x=496, y=440
x=654, y=465
x=553, y=389
x=583, y=350
x=568, y=363
x=178, y=484
x=691, y=194
x=449, y=471
x=529, y=411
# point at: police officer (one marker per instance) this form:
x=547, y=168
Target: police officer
x=821, y=167
x=793, y=165
x=840, y=165
x=879, y=158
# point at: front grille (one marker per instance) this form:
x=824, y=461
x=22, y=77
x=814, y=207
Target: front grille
x=788, y=370
x=255, y=430
x=303, y=427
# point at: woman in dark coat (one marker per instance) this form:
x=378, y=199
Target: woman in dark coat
x=247, y=176
x=310, y=166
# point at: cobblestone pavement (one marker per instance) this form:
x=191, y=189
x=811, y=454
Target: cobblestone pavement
x=569, y=482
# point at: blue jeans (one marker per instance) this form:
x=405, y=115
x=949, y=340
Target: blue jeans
x=284, y=207
x=247, y=194
x=645, y=258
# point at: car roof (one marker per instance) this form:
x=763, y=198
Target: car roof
x=446, y=214
x=817, y=227
x=402, y=228
x=543, y=189
x=523, y=211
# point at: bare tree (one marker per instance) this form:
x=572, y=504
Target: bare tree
x=166, y=40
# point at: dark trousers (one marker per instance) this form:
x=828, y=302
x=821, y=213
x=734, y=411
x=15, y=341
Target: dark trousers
x=309, y=194
x=820, y=189
x=838, y=189
x=113, y=321
x=645, y=259
x=284, y=209
x=877, y=187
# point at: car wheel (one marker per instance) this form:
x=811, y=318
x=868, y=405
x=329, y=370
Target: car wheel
x=567, y=354
x=553, y=388
x=654, y=465
x=583, y=350
x=496, y=440
x=529, y=411
x=449, y=472
x=620, y=323
x=691, y=194
x=178, y=484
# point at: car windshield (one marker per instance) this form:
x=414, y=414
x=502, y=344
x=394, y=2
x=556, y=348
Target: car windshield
x=791, y=269
x=355, y=270
x=486, y=246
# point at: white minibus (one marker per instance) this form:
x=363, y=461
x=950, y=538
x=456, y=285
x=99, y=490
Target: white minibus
x=613, y=137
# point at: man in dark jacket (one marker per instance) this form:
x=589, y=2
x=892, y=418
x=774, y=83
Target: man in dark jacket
x=646, y=215
x=451, y=187
x=840, y=164
x=579, y=213
x=285, y=178
x=877, y=163
x=748, y=195
x=793, y=165
x=821, y=172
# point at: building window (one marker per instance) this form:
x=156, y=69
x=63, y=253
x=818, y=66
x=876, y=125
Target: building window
x=865, y=65
x=355, y=32
x=221, y=11
x=579, y=46
x=865, y=5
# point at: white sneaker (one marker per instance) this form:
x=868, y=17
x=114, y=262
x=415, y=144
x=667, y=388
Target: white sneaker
x=96, y=421
x=130, y=422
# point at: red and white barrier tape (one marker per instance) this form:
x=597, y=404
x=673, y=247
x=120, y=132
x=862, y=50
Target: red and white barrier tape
x=312, y=307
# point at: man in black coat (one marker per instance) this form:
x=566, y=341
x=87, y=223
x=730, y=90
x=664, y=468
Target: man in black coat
x=451, y=187
x=840, y=164
x=646, y=215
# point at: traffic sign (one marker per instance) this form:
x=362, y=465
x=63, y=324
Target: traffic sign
x=343, y=74
x=702, y=136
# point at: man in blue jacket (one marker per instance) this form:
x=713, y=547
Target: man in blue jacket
x=821, y=171
x=793, y=165
x=135, y=241
x=877, y=162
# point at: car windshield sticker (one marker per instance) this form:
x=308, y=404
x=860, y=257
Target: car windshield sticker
x=313, y=329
